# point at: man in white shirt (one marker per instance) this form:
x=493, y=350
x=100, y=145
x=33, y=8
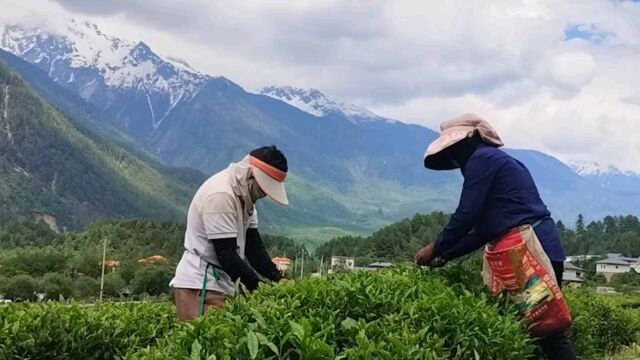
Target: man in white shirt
x=222, y=242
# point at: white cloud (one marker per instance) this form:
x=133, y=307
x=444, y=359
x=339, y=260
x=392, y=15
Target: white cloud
x=420, y=62
x=572, y=69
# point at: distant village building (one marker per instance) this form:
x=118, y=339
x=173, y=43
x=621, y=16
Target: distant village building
x=572, y=275
x=605, y=290
x=282, y=263
x=110, y=264
x=379, y=265
x=154, y=259
x=573, y=258
x=342, y=263
x=614, y=264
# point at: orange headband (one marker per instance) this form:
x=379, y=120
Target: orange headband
x=272, y=171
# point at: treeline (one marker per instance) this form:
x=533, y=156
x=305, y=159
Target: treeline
x=141, y=257
x=613, y=234
x=34, y=259
x=396, y=242
x=400, y=241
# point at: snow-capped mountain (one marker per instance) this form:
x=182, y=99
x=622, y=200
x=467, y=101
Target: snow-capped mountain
x=607, y=176
x=193, y=120
x=588, y=167
x=585, y=167
x=123, y=77
x=315, y=102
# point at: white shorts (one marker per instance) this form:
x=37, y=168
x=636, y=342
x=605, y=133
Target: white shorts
x=190, y=275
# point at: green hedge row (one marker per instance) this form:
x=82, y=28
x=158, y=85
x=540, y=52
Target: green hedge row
x=400, y=313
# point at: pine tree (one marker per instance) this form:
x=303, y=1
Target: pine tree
x=580, y=224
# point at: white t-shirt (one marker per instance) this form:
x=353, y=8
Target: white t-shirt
x=215, y=213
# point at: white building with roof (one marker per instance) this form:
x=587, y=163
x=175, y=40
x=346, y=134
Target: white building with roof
x=611, y=266
x=572, y=258
x=572, y=274
x=379, y=265
x=342, y=263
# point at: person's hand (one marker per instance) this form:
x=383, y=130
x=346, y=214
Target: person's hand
x=425, y=255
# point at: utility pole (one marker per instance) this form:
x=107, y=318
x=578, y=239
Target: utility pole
x=321, y=263
x=302, y=266
x=295, y=265
x=104, y=257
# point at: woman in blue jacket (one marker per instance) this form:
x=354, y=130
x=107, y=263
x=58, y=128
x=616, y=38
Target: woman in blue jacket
x=498, y=195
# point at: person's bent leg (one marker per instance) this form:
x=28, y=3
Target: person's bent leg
x=187, y=305
x=188, y=302
x=213, y=298
x=558, y=346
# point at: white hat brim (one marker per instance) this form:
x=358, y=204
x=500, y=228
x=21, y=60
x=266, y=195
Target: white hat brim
x=274, y=189
x=448, y=138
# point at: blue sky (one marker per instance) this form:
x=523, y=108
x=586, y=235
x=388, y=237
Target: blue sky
x=587, y=32
x=556, y=76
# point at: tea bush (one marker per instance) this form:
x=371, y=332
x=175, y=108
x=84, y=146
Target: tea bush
x=77, y=331
x=402, y=313
x=399, y=313
x=600, y=326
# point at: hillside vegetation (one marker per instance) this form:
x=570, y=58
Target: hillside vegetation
x=50, y=167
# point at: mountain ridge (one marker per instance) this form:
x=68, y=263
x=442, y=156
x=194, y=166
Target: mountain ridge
x=607, y=176
x=349, y=170
x=116, y=75
x=316, y=103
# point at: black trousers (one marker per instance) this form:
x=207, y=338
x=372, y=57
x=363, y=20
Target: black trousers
x=558, y=346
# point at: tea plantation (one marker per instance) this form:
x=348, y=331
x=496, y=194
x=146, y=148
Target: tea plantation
x=400, y=313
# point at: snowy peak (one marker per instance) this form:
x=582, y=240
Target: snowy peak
x=179, y=62
x=607, y=176
x=140, y=87
x=585, y=167
x=81, y=42
x=83, y=45
x=315, y=102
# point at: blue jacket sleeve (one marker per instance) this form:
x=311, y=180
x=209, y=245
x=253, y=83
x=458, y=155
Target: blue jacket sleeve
x=455, y=240
x=472, y=242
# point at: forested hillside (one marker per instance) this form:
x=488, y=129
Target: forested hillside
x=49, y=168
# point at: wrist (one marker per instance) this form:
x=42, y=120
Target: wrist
x=277, y=276
x=437, y=249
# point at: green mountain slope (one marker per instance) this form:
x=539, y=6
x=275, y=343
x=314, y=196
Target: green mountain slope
x=50, y=167
x=317, y=212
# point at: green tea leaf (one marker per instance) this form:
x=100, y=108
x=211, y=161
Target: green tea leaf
x=195, y=350
x=252, y=344
x=297, y=329
x=349, y=324
x=264, y=341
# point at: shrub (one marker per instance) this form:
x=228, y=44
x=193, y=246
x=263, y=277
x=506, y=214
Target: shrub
x=398, y=313
x=402, y=313
x=85, y=287
x=56, y=285
x=599, y=325
x=152, y=279
x=20, y=287
x=102, y=331
x=113, y=284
